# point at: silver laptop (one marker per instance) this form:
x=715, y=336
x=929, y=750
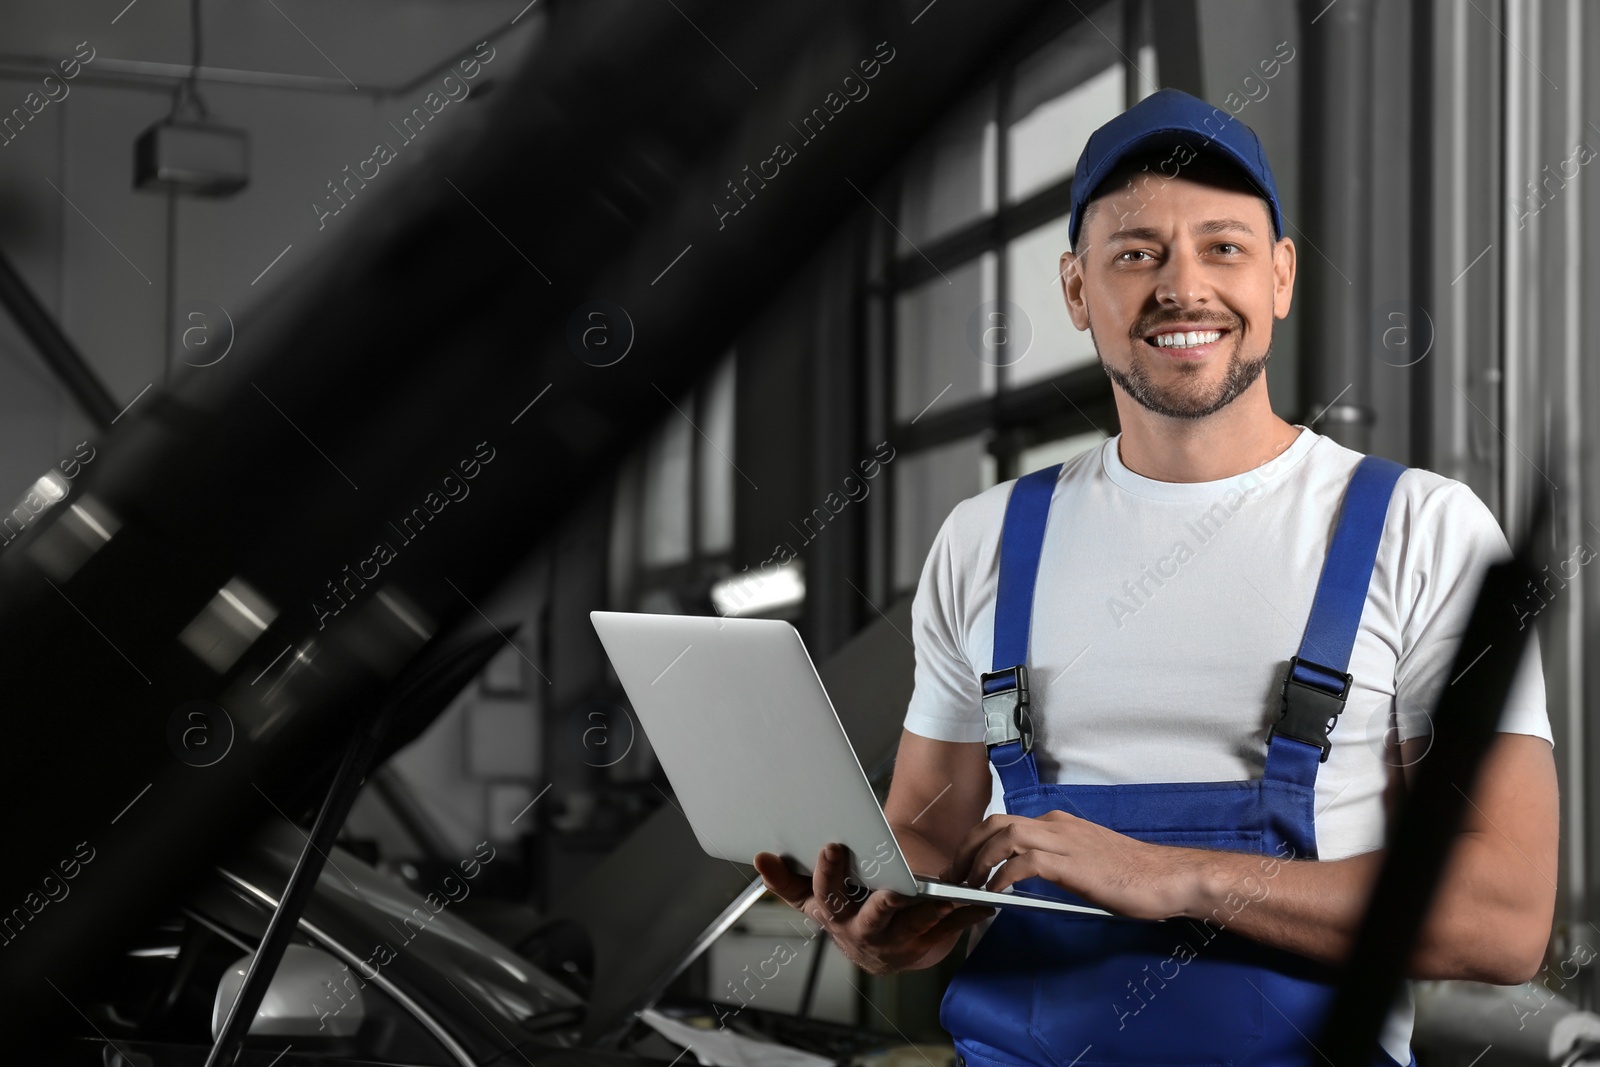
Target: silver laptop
x=755, y=751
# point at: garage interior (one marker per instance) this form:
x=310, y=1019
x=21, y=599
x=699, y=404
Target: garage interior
x=278, y=275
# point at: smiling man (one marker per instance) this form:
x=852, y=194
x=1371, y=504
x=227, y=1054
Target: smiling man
x=1224, y=751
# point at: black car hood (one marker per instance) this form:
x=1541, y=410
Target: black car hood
x=415, y=946
x=237, y=559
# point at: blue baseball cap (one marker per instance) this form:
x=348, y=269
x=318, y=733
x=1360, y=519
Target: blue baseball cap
x=1171, y=117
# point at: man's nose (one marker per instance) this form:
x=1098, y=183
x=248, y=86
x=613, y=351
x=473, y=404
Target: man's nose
x=1180, y=282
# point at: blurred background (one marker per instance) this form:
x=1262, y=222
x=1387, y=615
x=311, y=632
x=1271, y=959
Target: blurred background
x=713, y=377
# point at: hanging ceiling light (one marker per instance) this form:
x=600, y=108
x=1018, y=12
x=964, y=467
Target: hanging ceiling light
x=191, y=155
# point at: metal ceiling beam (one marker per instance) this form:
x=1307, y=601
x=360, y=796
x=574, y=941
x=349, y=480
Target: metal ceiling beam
x=151, y=74
x=54, y=347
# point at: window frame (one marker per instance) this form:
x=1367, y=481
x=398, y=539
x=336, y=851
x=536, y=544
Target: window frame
x=1015, y=417
x=688, y=582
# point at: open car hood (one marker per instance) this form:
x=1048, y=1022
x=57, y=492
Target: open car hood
x=257, y=552
x=413, y=946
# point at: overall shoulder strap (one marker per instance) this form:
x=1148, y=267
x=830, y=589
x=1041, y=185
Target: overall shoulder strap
x=1318, y=682
x=1008, y=729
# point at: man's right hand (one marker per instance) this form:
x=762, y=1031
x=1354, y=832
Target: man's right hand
x=880, y=931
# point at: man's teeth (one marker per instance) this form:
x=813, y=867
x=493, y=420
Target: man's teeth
x=1186, y=340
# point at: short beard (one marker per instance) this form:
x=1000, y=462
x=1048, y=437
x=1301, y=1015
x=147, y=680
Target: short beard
x=1241, y=375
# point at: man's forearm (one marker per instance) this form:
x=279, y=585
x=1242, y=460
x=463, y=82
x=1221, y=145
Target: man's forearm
x=1308, y=907
x=1477, y=928
x=924, y=855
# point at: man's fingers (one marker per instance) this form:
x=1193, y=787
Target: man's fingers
x=786, y=885
x=883, y=907
x=820, y=887
x=925, y=918
x=1020, y=866
x=828, y=882
x=963, y=917
x=962, y=866
x=972, y=866
x=1016, y=837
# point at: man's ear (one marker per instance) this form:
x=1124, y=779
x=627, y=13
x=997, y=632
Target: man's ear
x=1283, y=268
x=1071, y=275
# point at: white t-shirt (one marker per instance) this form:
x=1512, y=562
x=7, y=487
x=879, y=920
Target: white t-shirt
x=1165, y=613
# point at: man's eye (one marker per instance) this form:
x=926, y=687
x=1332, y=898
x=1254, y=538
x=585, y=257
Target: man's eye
x=1133, y=252
x=1227, y=244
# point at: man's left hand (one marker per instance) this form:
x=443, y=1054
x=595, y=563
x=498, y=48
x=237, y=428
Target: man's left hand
x=1111, y=870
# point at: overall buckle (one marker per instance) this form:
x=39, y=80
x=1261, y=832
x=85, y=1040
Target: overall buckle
x=1005, y=707
x=1310, y=712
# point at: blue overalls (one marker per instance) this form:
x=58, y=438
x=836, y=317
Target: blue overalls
x=1044, y=988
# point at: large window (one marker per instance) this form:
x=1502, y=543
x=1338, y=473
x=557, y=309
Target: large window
x=672, y=519
x=988, y=378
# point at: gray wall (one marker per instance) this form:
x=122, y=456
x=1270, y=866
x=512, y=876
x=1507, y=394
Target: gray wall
x=113, y=263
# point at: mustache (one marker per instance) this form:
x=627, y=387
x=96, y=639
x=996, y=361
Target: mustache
x=1146, y=329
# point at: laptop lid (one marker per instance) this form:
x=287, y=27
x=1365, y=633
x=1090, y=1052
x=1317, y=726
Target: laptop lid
x=654, y=904
x=747, y=736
